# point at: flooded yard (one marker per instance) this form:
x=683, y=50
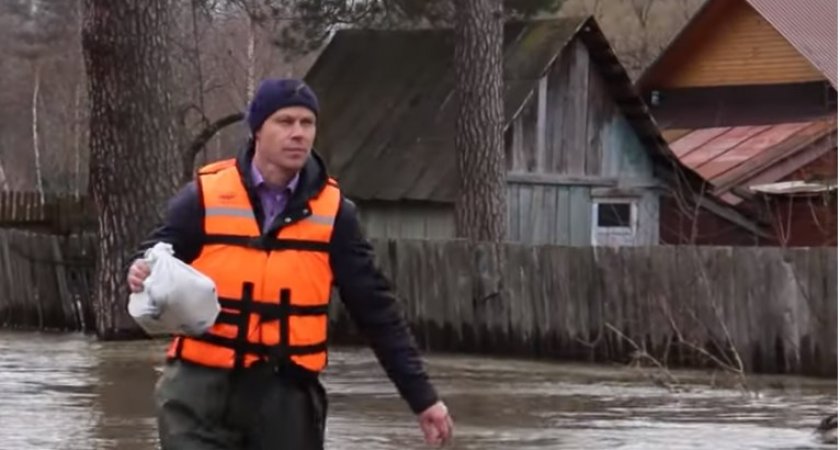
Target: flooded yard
x=71, y=392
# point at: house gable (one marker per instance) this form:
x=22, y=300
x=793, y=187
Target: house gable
x=729, y=43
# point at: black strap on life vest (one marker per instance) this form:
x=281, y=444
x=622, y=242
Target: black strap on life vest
x=237, y=312
x=267, y=243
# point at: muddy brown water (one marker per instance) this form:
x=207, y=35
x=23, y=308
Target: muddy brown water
x=60, y=391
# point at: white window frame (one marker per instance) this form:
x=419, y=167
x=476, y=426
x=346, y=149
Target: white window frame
x=626, y=234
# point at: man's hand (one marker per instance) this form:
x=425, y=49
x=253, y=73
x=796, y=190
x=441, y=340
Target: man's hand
x=138, y=272
x=436, y=424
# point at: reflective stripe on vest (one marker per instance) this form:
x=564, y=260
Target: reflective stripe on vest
x=274, y=290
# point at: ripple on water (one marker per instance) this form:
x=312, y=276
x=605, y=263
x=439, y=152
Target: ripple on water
x=70, y=392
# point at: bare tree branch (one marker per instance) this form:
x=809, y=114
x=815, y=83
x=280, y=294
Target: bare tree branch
x=201, y=139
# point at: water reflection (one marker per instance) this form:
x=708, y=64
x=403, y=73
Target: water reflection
x=71, y=392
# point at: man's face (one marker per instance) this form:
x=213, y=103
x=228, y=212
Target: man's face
x=286, y=137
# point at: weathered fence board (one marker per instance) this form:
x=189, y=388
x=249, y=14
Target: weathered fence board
x=45, y=280
x=776, y=309
x=51, y=211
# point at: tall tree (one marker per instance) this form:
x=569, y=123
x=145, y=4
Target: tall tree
x=135, y=163
x=37, y=25
x=480, y=207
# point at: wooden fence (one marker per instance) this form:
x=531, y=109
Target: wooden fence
x=54, y=212
x=46, y=280
x=776, y=308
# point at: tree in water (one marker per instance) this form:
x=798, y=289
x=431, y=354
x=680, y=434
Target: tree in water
x=135, y=164
x=480, y=207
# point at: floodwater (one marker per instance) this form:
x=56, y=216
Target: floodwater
x=71, y=392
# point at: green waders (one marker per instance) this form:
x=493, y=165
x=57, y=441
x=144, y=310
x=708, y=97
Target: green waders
x=201, y=408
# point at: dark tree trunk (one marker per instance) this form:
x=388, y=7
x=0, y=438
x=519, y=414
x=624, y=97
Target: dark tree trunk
x=480, y=208
x=135, y=163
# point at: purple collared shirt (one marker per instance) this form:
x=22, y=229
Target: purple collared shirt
x=272, y=198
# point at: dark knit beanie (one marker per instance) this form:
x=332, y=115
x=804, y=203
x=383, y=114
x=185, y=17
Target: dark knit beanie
x=274, y=94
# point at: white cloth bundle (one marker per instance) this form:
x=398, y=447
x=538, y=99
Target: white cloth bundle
x=176, y=298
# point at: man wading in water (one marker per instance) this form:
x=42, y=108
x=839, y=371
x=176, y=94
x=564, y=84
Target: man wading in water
x=274, y=233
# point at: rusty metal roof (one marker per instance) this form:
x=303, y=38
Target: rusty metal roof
x=388, y=110
x=810, y=26
x=738, y=156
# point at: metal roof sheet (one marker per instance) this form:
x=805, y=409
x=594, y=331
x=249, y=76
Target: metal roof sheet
x=729, y=157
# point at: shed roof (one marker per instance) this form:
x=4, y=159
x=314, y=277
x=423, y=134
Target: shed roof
x=388, y=109
x=736, y=157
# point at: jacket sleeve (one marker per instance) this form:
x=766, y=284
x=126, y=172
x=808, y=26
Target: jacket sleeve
x=182, y=226
x=372, y=305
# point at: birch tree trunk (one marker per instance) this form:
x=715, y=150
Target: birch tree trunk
x=77, y=139
x=135, y=163
x=36, y=145
x=252, y=55
x=480, y=207
x=4, y=181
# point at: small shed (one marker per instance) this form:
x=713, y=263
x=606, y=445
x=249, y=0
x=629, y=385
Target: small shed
x=746, y=95
x=586, y=163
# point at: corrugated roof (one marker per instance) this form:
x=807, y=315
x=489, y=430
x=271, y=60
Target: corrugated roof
x=810, y=26
x=729, y=157
x=388, y=112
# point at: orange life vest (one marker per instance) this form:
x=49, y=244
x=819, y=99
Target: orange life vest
x=274, y=290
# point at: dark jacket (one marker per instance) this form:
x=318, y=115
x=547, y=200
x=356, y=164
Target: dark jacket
x=365, y=292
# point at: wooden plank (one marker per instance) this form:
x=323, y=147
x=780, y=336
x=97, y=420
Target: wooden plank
x=557, y=111
x=524, y=211
x=576, y=122
x=828, y=312
x=562, y=180
x=620, y=191
x=529, y=136
x=457, y=257
x=15, y=206
x=556, y=295
x=513, y=212
x=648, y=219
x=549, y=208
x=4, y=206
x=563, y=217
x=6, y=280
x=580, y=218
x=600, y=110
x=517, y=152
x=537, y=233
x=60, y=270
x=542, y=94
x=518, y=284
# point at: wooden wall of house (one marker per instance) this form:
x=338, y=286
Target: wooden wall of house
x=802, y=221
x=569, y=146
x=570, y=125
x=545, y=212
x=738, y=47
x=410, y=220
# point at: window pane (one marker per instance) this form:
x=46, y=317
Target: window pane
x=614, y=214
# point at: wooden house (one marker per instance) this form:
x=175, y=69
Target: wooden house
x=746, y=96
x=586, y=164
